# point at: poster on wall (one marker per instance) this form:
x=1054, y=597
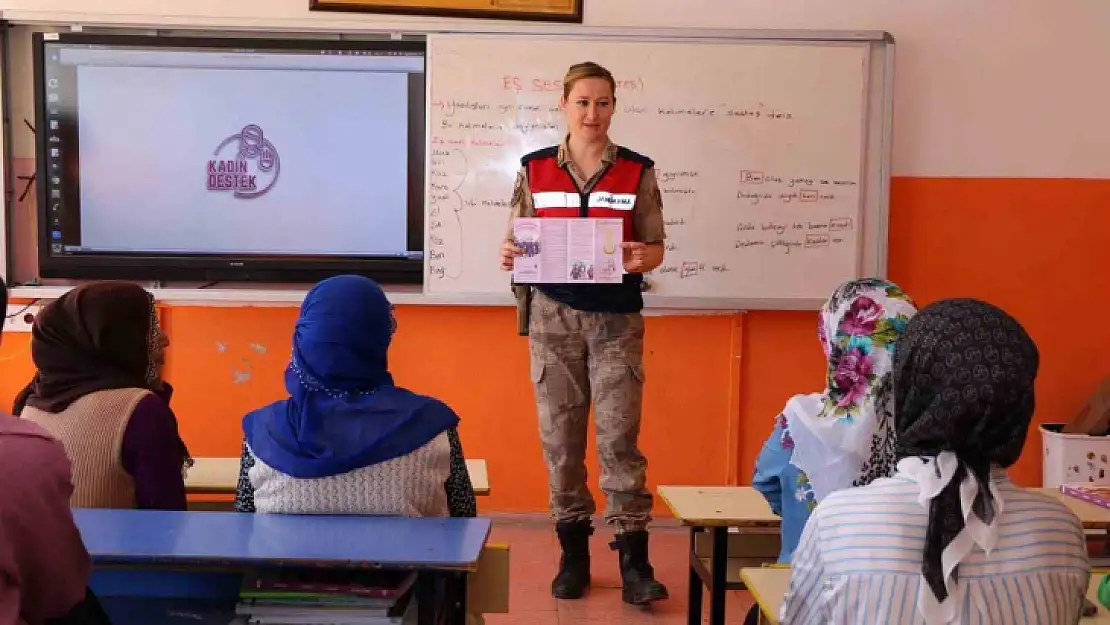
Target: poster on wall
x=539, y=10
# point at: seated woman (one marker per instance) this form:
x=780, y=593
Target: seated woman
x=98, y=388
x=44, y=567
x=949, y=538
x=843, y=437
x=347, y=440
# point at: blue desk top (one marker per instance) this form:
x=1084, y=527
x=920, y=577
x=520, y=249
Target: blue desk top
x=239, y=539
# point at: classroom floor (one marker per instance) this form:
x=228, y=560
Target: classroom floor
x=535, y=558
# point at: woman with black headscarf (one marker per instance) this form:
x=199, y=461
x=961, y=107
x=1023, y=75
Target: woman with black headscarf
x=98, y=352
x=949, y=538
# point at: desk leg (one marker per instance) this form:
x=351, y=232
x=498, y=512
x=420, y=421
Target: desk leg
x=693, y=607
x=426, y=582
x=456, y=593
x=719, y=568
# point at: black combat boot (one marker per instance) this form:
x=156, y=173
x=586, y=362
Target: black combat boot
x=640, y=587
x=574, y=565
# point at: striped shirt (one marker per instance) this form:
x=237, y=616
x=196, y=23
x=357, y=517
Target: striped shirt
x=859, y=561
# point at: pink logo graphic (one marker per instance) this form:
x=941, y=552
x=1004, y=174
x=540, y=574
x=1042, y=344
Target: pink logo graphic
x=245, y=163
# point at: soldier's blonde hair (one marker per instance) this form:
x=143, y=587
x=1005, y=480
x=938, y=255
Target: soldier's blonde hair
x=582, y=71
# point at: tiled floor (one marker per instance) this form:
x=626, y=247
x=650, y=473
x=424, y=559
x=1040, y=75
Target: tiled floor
x=535, y=557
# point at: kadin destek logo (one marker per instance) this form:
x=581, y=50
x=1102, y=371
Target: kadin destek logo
x=246, y=163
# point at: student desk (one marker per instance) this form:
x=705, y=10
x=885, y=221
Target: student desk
x=479, y=476
x=1093, y=517
x=712, y=510
x=212, y=476
x=157, y=567
x=220, y=476
x=769, y=585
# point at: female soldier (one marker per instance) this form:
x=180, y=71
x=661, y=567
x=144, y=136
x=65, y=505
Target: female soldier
x=587, y=340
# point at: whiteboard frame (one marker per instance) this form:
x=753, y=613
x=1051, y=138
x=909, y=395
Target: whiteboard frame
x=876, y=170
x=878, y=156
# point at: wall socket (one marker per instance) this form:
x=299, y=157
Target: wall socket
x=20, y=317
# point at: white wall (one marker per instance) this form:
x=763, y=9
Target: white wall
x=992, y=88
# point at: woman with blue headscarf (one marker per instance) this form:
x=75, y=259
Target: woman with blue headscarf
x=347, y=440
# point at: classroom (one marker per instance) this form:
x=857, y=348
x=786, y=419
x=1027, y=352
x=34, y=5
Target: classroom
x=969, y=147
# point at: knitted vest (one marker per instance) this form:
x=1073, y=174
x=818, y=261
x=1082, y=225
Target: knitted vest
x=91, y=430
x=411, y=485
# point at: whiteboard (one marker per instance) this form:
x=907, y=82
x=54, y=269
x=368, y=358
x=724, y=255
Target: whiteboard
x=772, y=157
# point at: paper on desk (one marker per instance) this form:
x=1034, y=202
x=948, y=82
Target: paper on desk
x=568, y=251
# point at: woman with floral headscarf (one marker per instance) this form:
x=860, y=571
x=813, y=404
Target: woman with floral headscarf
x=347, y=440
x=842, y=437
x=98, y=353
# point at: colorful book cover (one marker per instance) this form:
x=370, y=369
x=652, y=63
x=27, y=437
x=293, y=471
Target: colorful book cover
x=1092, y=493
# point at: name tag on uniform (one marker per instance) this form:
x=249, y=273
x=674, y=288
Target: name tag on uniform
x=613, y=201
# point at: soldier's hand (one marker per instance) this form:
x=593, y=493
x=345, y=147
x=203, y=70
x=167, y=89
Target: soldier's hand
x=635, y=255
x=509, y=251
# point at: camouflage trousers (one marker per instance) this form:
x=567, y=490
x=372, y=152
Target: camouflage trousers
x=578, y=357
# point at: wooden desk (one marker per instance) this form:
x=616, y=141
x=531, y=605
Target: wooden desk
x=719, y=506
x=220, y=476
x=1093, y=517
x=769, y=585
x=479, y=477
x=212, y=476
x=713, y=510
x=156, y=556
x=744, y=506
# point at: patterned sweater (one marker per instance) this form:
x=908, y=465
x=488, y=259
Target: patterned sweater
x=365, y=491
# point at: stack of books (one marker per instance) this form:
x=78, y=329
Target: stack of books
x=326, y=597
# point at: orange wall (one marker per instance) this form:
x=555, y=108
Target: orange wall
x=1039, y=248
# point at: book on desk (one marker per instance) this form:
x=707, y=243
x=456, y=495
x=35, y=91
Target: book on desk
x=1097, y=494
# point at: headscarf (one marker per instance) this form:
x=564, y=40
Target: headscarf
x=963, y=387
x=343, y=411
x=95, y=337
x=844, y=436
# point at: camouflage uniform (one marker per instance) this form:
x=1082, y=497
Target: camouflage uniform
x=579, y=357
